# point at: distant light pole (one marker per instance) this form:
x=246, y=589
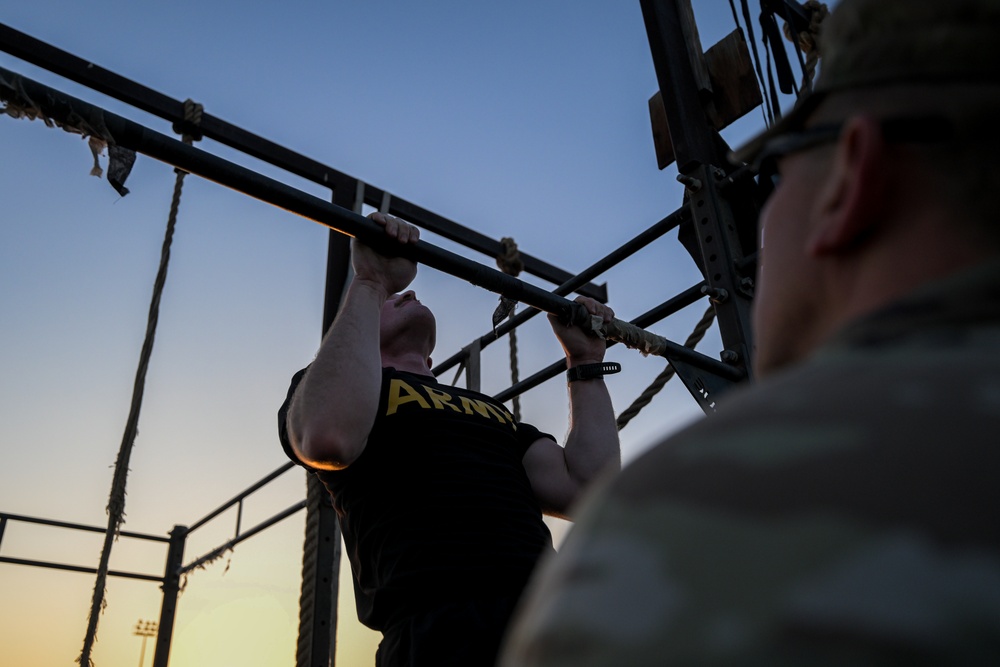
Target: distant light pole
x=144, y=629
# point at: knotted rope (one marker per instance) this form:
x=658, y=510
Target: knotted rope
x=316, y=493
x=808, y=40
x=116, y=501
x=662, y=379
x=510, y=262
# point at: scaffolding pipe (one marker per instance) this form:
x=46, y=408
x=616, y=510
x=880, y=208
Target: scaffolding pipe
x=241, y=495
x=668, y=307
x=70, y=111
x=146, y=99
x=5, y=516
x=171, y=589
x=230, y=544
x=78, y=568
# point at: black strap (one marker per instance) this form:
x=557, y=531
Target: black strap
x=592, y=371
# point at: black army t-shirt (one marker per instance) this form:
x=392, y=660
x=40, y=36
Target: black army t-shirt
x=438, y=507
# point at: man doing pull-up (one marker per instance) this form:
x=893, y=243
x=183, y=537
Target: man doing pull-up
x=440, y=492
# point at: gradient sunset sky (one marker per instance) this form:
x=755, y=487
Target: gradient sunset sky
x=521, y=119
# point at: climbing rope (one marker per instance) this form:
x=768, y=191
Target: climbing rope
x=662, y=379
x=315, y=495
x=116, y=501
x=808, y=40
x=510, y=262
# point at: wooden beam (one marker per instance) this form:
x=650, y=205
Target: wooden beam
x=734, y=93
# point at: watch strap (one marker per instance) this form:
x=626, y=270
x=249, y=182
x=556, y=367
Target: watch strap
x=592, y=371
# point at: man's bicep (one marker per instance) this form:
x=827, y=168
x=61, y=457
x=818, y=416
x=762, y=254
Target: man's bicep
x=545, y=463
x=332, y=450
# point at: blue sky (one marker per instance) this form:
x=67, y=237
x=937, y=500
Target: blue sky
x=521, y=119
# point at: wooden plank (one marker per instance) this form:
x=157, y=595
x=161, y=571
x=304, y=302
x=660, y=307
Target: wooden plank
x=734, y=93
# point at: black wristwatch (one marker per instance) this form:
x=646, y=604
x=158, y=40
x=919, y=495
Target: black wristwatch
x=592, y=371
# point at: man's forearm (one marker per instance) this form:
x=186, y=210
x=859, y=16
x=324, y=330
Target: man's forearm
x=592, y=443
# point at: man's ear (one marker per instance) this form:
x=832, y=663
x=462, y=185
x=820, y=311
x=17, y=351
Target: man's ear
x=849, y=201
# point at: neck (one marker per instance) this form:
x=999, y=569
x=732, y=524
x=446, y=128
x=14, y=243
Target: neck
x=919, y=250
x=408, y=362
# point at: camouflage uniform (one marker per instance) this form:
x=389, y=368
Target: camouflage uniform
x=846, y=512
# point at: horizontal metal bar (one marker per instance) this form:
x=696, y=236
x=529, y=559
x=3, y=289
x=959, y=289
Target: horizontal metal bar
x=77, y=526
x=81, y=71
x=667, y=308
x=240, y=496
x=471, y=239
x=686, y=298
x=218, y=551
x=532, y=381
x=79, y=568
x=68, y=110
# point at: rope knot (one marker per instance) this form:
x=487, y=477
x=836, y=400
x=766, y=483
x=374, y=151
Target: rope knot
x=509, y=260
x=808, y=40
x=189, y=128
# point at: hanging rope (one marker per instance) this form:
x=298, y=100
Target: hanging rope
x=664, y=377
x=807, y=40
x=116, y=502
x=510, y=262
x=307, y=595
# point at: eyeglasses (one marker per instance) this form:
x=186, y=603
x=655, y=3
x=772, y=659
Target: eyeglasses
x=920, y=129
x=795, y=142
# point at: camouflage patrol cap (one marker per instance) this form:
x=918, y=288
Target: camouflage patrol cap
x=865, y=43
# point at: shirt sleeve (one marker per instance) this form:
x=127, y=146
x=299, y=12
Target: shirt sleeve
x=283, y=419
x=527, y=435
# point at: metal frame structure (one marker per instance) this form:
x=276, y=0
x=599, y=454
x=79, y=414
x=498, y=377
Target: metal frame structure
x=68, y=111
x=716, y=225
x=720, y=234
x=86, y=73
x=175, y=568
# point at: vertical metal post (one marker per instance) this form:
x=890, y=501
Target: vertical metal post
x=473, y=365
x=171, y=588
x=715, y=236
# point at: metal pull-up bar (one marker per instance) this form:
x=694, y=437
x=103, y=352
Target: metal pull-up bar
x=70, y=112
x=142, y=97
